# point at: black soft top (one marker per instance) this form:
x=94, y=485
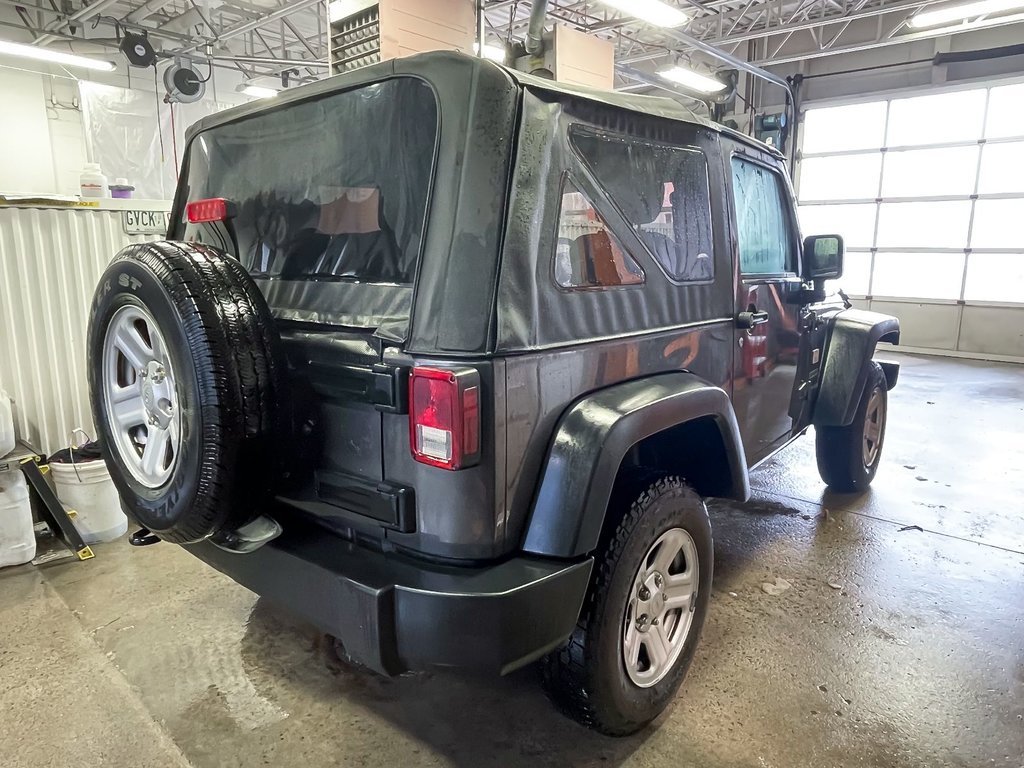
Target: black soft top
x=441, y=65
x=483, y=230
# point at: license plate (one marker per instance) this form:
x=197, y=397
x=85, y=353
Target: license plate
x=145, y=222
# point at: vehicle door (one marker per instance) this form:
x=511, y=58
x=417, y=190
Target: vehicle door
x=766, y=255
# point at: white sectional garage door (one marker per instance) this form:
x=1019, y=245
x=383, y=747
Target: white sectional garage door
x=928, y=191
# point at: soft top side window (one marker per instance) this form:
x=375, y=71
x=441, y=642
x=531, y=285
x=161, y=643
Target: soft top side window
x=588, y=255
x=664, y=194
x=762, y=220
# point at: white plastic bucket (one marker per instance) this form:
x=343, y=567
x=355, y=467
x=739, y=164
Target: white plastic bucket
x=17, y=539
x=6, y=425
x=86, y=487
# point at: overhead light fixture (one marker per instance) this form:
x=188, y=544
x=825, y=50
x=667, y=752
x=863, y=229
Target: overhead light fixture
x=652, y=11
x=693, y=80
x=963, y=12
x=55, y=57
x=492, y=52
x=259, y=91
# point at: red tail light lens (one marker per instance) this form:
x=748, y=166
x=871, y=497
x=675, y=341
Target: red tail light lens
x=444, y=416
x=213, y=209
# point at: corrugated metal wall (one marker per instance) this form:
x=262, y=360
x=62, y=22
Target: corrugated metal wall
x=50, y=262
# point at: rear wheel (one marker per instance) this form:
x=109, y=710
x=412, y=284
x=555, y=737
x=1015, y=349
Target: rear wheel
x=848, y=457
x=643, y=615
x=188, y=389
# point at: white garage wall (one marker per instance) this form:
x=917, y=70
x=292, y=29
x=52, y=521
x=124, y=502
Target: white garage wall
x=42, y=109
x=26, y=154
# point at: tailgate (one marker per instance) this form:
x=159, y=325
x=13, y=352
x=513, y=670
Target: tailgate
x=343, y=391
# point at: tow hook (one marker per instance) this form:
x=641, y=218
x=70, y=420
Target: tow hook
x=143, y=538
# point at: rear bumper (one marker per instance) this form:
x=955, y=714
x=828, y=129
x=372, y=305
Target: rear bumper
x=395, y=613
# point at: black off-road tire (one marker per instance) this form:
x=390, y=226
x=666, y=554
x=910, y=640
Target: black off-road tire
x=840, y=451
x=587, y=678
x=230, y=380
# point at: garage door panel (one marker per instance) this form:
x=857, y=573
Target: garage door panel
x=856, y=277
x=1004, y=112
x=839, y=129
x=841, y=177
x=855, y=222
x=924, y=224
x=996, y=161
x=944, y=235
x=933, y=326
x=936, y=118
x=992, y=331
x=998, y=224
x=995, y=277
x=927, y=172
x=918, y=275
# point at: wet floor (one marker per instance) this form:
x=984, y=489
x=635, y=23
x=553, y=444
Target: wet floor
x=881, y=630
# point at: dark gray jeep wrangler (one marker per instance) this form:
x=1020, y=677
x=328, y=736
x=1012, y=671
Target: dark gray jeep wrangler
x=445, y=359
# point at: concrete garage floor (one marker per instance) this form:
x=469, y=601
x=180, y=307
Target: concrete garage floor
x=892, y=646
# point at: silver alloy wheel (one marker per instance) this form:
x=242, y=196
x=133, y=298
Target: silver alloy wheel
x=139, y=396
x=874, y=427
x=660, y=609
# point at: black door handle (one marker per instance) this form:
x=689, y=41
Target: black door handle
x=751, y=318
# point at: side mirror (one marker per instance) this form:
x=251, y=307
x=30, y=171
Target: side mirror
x=823, y=257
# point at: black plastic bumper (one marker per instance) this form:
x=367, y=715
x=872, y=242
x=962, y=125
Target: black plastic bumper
x=395, y=613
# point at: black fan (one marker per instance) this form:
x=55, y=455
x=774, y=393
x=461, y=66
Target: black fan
x=137, y=49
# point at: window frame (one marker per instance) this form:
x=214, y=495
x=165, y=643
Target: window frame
x=592, y=172
x=788, y=204
x=566, y=179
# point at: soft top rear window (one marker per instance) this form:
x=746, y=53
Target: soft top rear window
x=331, y=199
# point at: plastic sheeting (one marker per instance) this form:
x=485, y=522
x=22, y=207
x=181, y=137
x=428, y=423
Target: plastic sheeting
x=129, y=133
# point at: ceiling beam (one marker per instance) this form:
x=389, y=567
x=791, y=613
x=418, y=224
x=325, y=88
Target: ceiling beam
x=82, y=14
x=926, y=34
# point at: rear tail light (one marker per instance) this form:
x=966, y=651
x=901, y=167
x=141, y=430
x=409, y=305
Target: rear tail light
x=212, y=209
x=444, y=416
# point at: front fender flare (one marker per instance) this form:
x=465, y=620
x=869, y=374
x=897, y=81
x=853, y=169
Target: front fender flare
x=851, y=345
x=591, y=440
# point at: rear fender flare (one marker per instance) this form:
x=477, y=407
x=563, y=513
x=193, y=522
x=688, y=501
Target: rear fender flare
x=850, y=346
x=591, y=440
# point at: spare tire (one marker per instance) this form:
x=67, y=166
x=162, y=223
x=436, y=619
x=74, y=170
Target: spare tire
x=188, y=384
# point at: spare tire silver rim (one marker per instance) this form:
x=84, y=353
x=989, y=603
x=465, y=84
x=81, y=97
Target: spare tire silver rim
x=874, y=426
x=139, y=396
x=660, y=608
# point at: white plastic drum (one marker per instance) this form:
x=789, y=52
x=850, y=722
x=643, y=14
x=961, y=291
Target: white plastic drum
x=17, y=539
x=6, y=425
x=86, y=487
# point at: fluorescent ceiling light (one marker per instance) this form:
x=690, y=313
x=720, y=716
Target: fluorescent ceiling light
x=693, y=80
x=259, y=91
x=45, y=54
x=652, y=11
x=342, y=9
x=960, y=12
x=492, y=52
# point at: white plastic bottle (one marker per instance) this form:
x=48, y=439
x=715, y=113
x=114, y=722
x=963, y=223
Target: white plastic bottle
x=92, y=181
x=6, y=425
x=17, y=538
